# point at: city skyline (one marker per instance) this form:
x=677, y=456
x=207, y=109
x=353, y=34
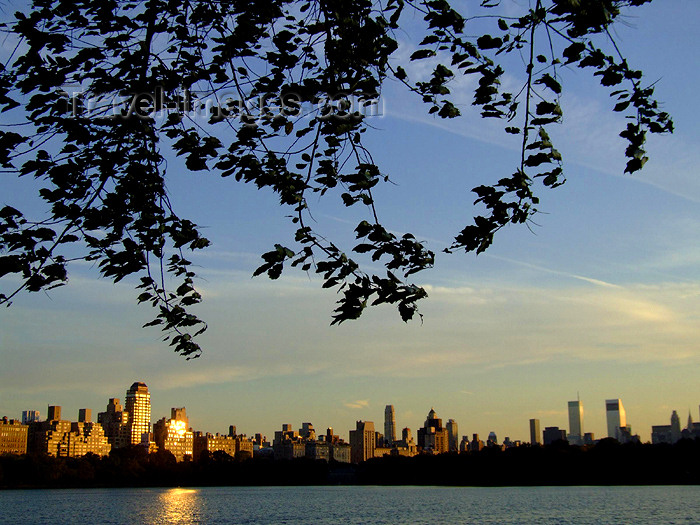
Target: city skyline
x=603, y=298
x=141, y=418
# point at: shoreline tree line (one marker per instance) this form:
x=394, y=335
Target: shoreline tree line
x=606, y=463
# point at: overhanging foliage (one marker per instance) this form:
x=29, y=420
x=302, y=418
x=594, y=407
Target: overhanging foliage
x=275, y=93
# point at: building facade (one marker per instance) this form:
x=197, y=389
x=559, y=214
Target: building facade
x=492, y=439
x=476, y=444
x=30, y=416
x=575, y=423
x=62, y=438
x=673, y=433
x=212, y=443
x=88, y=437
x=535, y=434
x=113, y=421
x=307, y=431
x=452, y=435
x=13, y=436
x=174, y=435
x=289, y=449
x=389, y=425
x=362, y=441
x=433, y=437
x=138, y=408
x=340, y=452
x=553, y=434
x=616, y=417
x=317, y=450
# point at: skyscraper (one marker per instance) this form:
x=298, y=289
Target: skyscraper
x=307, y=431
x=452, y=435
x=535, y=435
x=389, y=425
x=675, y=427
x=553, y=434
x=616, y=417
x=53, y=413
x=575, y=422
x=30, y=416
x=433, y=437
x=138, y=408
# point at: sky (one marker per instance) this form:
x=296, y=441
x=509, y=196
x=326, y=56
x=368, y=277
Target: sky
x=600, y=300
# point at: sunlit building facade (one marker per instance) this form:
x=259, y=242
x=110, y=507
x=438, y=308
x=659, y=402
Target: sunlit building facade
x=13, y=437
x=51, y=437
x=213, y=443
x=575, y=423
x=138, y=408
x=616, y=417
x=174, y=435
x=62, y=438
x=87, y=437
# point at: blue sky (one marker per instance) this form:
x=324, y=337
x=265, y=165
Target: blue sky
x=601, y=298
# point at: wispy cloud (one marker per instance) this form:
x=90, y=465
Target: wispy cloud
x=540, y=268
x=588, y=137
x=213, y=374
x=360, y=403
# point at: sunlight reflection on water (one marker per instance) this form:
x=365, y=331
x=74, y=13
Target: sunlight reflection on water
x=177, y=506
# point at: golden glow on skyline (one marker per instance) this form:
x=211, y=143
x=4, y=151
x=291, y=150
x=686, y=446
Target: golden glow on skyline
x=179, y=427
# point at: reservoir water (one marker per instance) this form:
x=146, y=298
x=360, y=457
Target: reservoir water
x=355, y=504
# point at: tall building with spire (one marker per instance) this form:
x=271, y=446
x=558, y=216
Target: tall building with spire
x=138, y=408
x=575, y=422
x=673, y=433
x=389, y=425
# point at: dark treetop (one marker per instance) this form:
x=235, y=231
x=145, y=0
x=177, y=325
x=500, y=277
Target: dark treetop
x=104, y=176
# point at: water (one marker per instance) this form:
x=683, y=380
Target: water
x=357, y=505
